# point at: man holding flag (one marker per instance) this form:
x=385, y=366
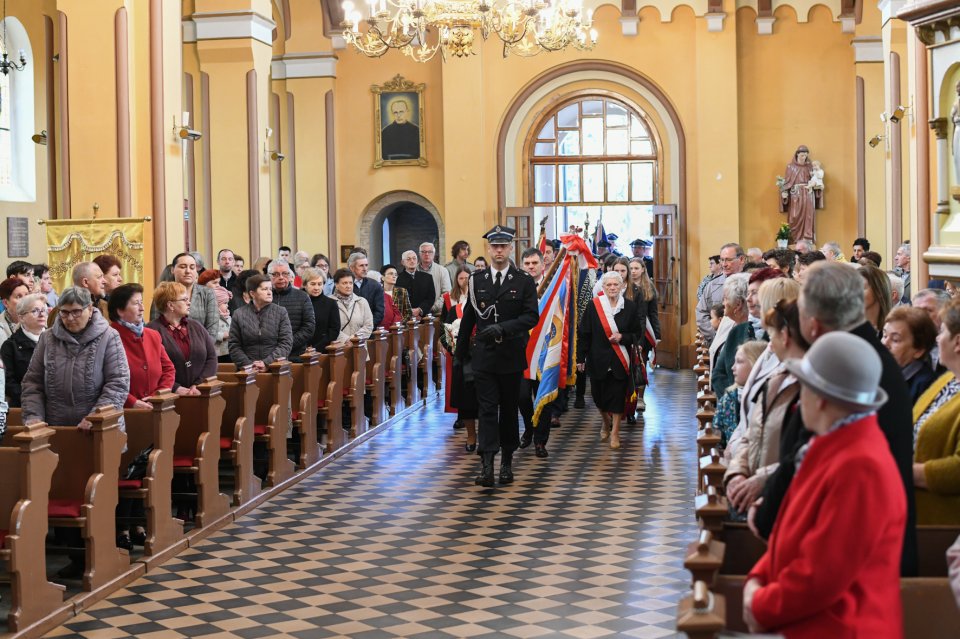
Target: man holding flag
x=503, y=308
x=533, y=264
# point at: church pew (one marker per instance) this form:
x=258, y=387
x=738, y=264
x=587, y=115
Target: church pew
x=394, y=371
x=330, y=402
x=426, y=361
x=272, y=421
x=27, y=465
x=354, y=384
x=706, y=413
x=84, y=492
x=708, y=437
x=197, y=449
x=240, y=393
x=711, y=471
x=156, y=427
x=305, y=395
x=376, y=376
x=702, y=614
x=413, y=362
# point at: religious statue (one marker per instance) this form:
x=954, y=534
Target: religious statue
x=801, y=192
x=955, y=118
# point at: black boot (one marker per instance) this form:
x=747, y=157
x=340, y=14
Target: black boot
x=506, y=468
x=485, y=476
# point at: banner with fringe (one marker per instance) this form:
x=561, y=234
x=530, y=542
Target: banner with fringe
x=70, y=242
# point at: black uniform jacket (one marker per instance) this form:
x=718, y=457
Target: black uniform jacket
x=517, y=313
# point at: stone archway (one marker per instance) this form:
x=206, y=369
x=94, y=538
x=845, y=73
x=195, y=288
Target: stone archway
x=370, y=223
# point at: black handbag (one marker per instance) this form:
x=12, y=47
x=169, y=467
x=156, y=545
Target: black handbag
x=138, y=467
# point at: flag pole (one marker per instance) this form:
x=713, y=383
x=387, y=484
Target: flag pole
x=548, y=276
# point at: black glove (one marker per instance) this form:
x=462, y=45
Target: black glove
x=490, y=333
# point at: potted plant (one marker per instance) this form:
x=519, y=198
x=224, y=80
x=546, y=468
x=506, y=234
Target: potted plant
x=783, y=236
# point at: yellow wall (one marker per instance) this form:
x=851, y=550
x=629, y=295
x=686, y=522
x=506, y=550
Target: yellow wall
x=796, y=87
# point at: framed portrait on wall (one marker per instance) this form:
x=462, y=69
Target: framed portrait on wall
x=398, y=123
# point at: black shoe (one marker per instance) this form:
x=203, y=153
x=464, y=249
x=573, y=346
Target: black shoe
x=506, y=468
x=457, y=425
x=470, y=448
x=526, y=438
x=73, y=570
x=123, y=542
x=631, y=418
x=579, y=403
x=485, y=476
x=542, y=450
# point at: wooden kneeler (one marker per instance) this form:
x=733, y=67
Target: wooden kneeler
x=413, y=362
x=305, y=397
x=272, y=421
x=84, y=491
x=240, y=392
x=376, y=376
x=394, y=373
x=198, y=445
x=26, y=472
x=330, y=401
x=156, y=427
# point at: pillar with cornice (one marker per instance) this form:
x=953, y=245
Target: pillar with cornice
x=234, y=48
x=872, y=218
x=896, y=88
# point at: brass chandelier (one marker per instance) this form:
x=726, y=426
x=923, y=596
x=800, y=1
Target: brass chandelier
x=421, y=28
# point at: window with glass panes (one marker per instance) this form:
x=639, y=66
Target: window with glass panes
x=595, y=154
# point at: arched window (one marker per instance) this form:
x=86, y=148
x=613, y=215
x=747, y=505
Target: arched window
x=594, y=155
x=18, y=175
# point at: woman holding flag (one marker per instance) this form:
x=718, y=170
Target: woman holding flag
x=609, y=328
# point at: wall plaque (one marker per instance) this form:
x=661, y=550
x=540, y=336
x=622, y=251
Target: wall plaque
x=18, y=237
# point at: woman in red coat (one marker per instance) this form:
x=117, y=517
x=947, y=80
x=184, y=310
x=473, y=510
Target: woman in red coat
x=150, y=371
x=832, y=567
x=150, y=367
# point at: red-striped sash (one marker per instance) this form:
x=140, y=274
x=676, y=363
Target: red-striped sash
x=608, y=322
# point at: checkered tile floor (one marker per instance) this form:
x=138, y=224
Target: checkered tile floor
x=394, y=540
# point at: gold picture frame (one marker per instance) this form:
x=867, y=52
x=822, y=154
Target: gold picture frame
x=398, y=123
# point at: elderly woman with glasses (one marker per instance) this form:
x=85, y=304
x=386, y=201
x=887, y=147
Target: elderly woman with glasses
x=78, y=365
x=17, y=351
x=185, y=340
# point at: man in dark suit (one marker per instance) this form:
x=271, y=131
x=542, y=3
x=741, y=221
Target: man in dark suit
x=832, y=300
x=503, y=308
x=418, y=284
x=365, y=287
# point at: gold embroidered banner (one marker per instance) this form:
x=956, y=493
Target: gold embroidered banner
x=70, y=242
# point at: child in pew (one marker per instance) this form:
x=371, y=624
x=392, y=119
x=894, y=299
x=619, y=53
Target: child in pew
x=728, y=405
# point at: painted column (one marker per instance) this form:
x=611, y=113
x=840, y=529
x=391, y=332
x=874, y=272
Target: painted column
x=939, y=126
x=896, y=89
x=871, y=160
x=234, y=47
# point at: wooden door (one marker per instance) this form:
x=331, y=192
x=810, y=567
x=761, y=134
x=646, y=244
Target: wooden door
x=666, y=277
x=521, y=219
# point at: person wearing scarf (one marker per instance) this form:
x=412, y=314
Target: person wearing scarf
x=150, y=368
x=356, y=319
x=609, y=327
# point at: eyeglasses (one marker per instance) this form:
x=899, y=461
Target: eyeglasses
x=183, y=299
x=279, y=274
x=37, y=312
x=74, y=313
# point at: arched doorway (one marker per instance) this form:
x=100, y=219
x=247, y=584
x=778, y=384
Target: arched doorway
x=396, y=222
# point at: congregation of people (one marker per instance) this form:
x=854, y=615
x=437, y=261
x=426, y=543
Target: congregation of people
x=838, y=411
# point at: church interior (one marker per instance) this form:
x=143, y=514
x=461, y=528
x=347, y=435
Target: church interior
x=149, y=128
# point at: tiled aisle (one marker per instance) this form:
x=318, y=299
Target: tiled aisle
x=395, y=540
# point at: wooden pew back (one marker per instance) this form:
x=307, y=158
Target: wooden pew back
x=333, y=368
x=304, y=398
x=395, y=368
x=240, y=392
x=273, y=419
x=413, y=362
x=376, y=375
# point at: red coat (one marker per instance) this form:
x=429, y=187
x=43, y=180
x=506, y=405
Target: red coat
x=832, y=568
x=150, y=366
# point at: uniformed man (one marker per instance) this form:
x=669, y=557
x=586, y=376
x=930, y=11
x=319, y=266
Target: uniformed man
x=636, y=247
x=612, y=238
x=647, y=257
x=503, y=308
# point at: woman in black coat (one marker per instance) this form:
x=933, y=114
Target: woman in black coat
x=324, y=310
x=18, y=349
x=604, y=352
